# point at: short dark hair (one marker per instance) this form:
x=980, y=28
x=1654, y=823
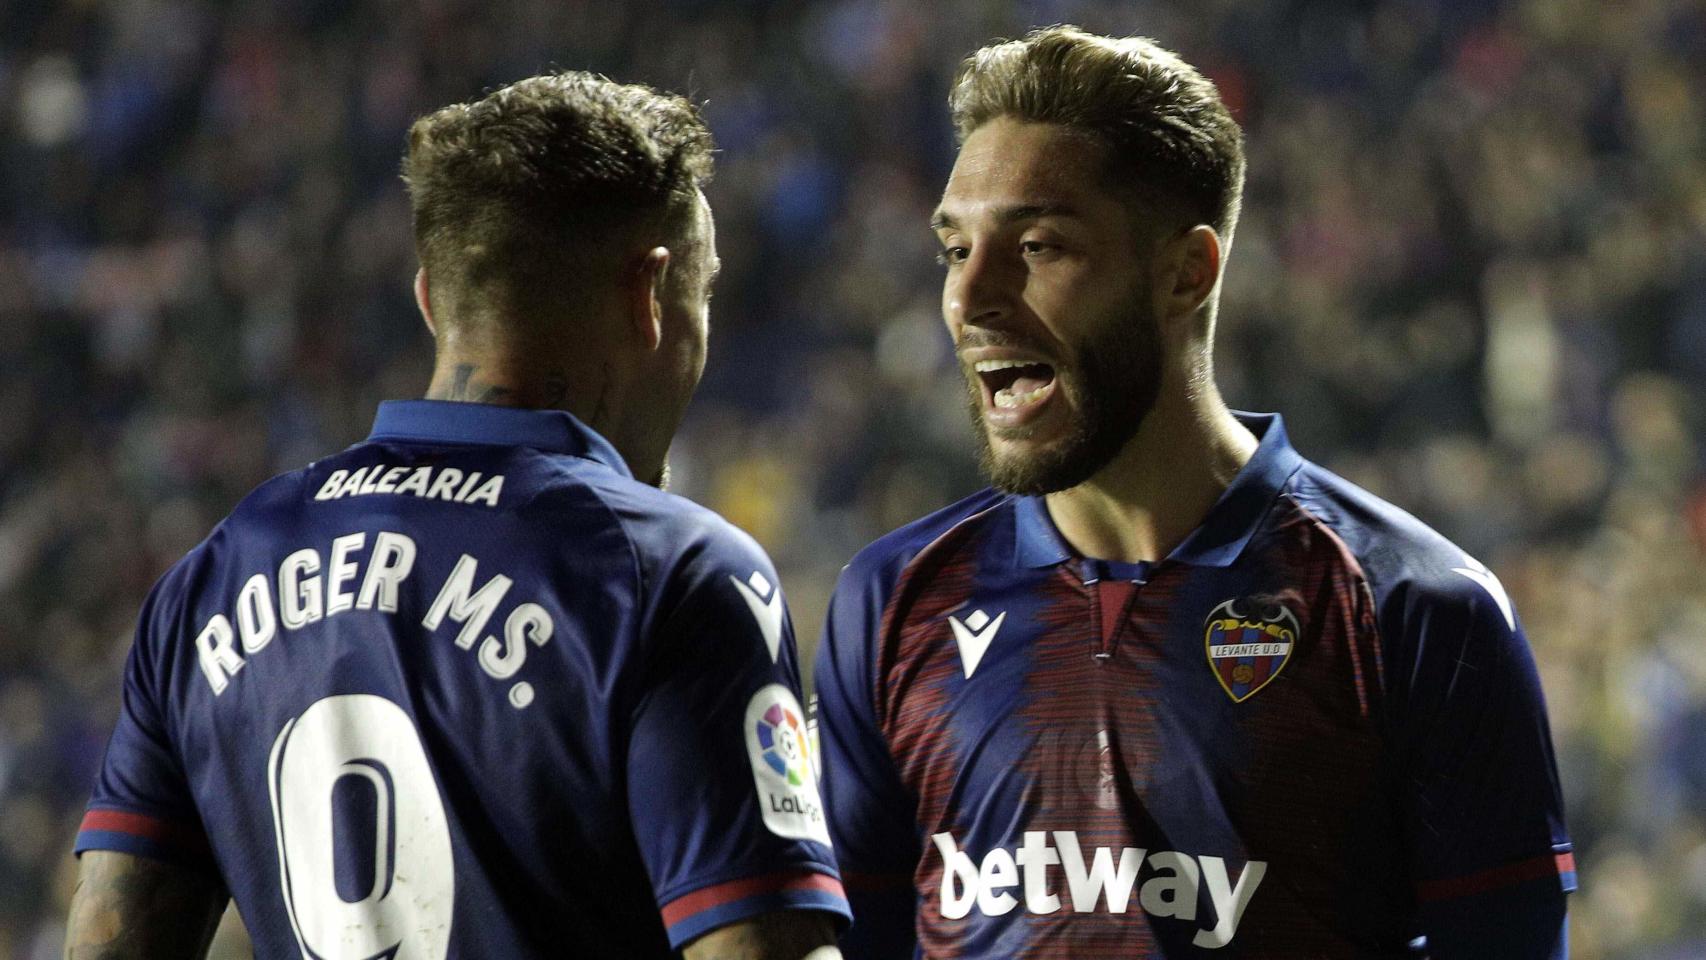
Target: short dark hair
x=1169, y=138
x=511, y=189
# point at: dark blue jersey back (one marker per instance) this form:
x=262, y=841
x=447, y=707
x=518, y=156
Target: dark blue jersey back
x=469, y=690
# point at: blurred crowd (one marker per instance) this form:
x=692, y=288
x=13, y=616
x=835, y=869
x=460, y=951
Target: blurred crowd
x=1471, y=272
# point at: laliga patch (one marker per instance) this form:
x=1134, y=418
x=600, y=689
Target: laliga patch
x=780, y=749
x=1249, y=641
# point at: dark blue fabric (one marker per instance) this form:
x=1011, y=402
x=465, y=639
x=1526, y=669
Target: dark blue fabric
x=587, y=742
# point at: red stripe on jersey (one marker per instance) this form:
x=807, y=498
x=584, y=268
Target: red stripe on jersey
x=149, y=828
x=709, y=897
x=1552, y=864
x=1115, y=597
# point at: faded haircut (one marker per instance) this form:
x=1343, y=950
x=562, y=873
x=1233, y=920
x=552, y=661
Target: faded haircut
x=1169, y=140
x=519, y=194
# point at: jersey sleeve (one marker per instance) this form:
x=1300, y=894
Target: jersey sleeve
x=872, y=815
x=721, y=783
x=141, y=803
x=1492, y=861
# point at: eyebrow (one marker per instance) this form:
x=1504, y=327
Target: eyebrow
x=940, y=220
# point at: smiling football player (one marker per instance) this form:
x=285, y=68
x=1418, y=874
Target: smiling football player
x=1169, y=689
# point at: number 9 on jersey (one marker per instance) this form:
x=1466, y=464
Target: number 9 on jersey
x=363, y=843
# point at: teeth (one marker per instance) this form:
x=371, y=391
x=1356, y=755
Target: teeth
x=989, y=366
x=1006, y=399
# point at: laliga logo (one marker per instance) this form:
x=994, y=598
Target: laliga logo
x=780, y=751
x=783, y=740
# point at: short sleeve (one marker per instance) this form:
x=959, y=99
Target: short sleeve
x=1492, y=860
x=872, y=815
x=721, y=782
x=141, y=803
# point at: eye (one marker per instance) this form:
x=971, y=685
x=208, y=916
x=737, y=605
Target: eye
x=1032, y=248
x=948, y=256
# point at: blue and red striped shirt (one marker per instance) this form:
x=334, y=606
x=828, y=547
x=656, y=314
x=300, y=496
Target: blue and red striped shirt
x=1313, y=730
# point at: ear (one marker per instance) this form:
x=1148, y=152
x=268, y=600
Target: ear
x=645, y=297
x=422, y=301
x=1191, y=270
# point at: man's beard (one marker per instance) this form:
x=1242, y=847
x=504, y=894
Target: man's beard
x=1110, y=385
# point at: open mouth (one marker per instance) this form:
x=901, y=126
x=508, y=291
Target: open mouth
x=1015, y=384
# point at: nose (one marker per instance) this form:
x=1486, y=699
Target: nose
x=982, y=292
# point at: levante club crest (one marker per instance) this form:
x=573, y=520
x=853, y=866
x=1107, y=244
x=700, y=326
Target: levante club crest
x=1249, y=641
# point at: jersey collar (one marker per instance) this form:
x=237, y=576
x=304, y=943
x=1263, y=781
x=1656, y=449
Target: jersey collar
x=1230, y=523
x=444, y=421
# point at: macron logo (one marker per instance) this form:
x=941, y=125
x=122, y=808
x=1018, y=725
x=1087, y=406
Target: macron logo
x=765, y=602
x=1478, y=572
x=1172, y=882
x=974, y=636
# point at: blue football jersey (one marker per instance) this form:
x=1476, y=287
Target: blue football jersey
x=469, y=690
x=1313, y=730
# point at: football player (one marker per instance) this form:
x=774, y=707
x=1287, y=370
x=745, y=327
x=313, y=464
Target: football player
x=477, y=687
x=1169, y=689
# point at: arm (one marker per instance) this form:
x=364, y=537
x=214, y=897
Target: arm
x=133, y=908
x=784, y=935
x=722, y=796
x=1492, y=859
x=147, y=883
x=872, y=815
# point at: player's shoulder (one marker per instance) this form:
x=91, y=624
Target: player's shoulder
x=1413, y=570
x=182, y=585
x=668, y=530
x=272, y=502
x=881, y=563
